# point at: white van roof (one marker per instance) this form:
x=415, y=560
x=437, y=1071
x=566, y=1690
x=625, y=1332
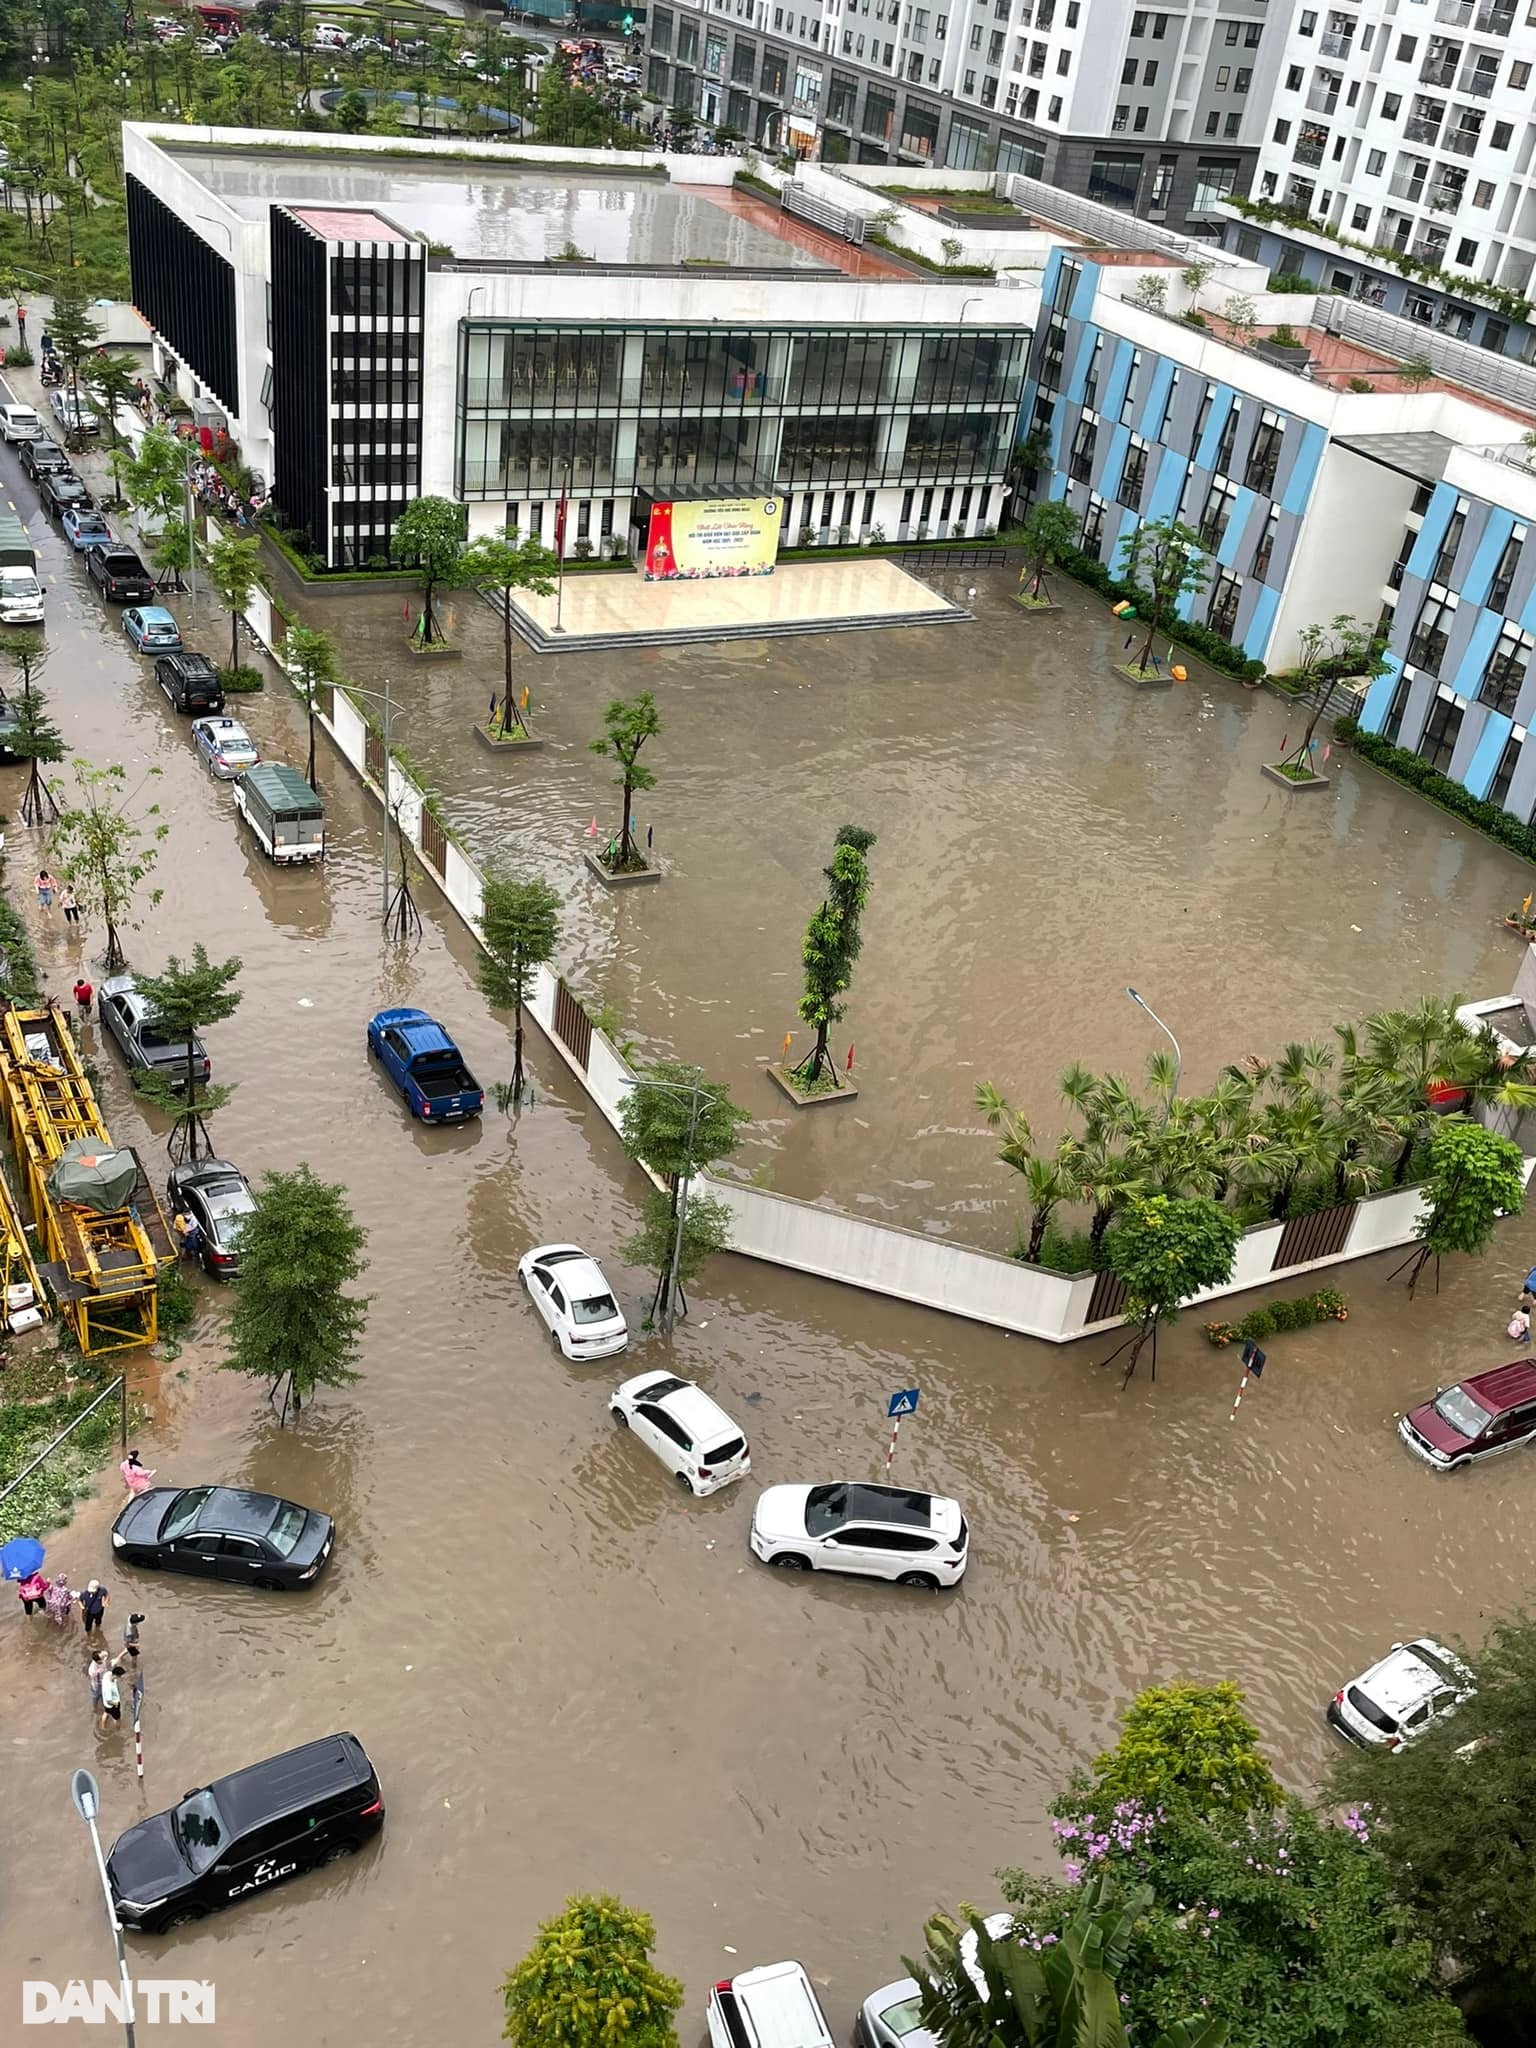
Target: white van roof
x=780, y=2008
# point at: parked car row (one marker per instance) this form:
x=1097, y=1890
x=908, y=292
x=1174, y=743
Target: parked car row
x=866, y=1529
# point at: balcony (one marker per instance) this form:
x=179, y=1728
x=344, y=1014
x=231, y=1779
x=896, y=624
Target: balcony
x=1444, y=198
x=1307, y=153
x=1461, y=141
x=1478, y=85
x=1494, y=21
x=1335, y=44
x=1322, y=102
x=1431, y=249
x=1419, y=128
x=1409, y=185
x=1455, y=13
x=1438, y=71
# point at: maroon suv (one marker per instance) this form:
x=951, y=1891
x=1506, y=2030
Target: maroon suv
x=1490, y=1412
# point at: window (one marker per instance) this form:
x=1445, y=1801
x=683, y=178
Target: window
x=1134, y=474
x=1393, y=726
x=1128, y=403
x=1223, y=77
x=1084, y=441
x=1219, y=500
x=1264, y=455
x=968, y=83
x=1214, y=181
x=1063, y=63
x=1213, y=124
x=1139, y=122
x=1391, y=105
x=1168, y=405
x=1504, y=774
x=1162, y=187
x=1221, y=615
x=1504, y=574
x=1445, y=561
x=1437, y=615
x=1263, y=554
x=1228, y=437
x=1092, y=538
x=1203, y=416
x=1360, y=220
x=1502, y=132
x=1519, y=76
x=1466, y=250
x=1504, y=677
x=1091, y=381
x=1406, y=45
x=1482, y=193
x=1232, y=127
x=1282, y=131
x=1138, y=25
x=1113, y=180
x=1295, y=78
x=1442, y=729
x=1149, y=74
x=1232, y=31
x=1252, y=35
x=1159, y=27
x=1243, y=80
x=975, y=42
x=1053, y=110
x=995, y=47
x=1128, y=74
x=1375, y=162
x=1307, y=23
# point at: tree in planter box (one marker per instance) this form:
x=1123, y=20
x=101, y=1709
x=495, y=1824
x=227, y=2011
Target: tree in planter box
x=430, y=533
x=503, y=563
x=1050, y=528
x=1166, y=1248
x=1162, y=559
x=1475, y=1178
x=232, y=570
x=628, y=724
x=1329, y=655
x=832, y=944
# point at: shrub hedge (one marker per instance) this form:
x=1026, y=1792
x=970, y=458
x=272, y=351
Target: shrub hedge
x=1502, y=826
x=1326, y=1306
x=1232, y=661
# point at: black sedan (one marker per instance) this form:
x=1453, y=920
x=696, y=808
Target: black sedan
x=61, y=489
x=218, y=1196
x=223, y=1532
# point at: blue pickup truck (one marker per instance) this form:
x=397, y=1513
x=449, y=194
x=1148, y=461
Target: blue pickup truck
x=425, y=1065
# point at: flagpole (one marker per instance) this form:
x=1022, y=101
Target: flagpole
x=560, y=511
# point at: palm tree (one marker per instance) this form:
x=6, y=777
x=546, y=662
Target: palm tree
x=1100, y=1179
x=1415, y=1054
x=1060, y=1994
x=1043, y=1178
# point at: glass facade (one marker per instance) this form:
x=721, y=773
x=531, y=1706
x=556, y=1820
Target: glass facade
x=671, y=410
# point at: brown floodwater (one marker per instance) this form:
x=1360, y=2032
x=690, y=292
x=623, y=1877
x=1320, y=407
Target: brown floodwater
x=569, y=1677
x=1046, y=836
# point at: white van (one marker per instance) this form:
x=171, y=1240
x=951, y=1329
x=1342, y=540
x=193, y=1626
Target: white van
x=770, y=2007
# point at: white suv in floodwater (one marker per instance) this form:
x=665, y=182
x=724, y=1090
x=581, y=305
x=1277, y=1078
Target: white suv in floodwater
x=877, y=1532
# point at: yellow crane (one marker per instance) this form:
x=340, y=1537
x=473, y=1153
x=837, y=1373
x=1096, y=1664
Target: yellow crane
x=100, y=1263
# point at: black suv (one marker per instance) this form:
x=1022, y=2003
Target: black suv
x=41, y=455
x=119, y=572
x=61, y=488
x=245, y=1832
x=190, y=681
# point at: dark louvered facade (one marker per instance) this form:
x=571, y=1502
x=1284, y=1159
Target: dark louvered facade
x=185, y=290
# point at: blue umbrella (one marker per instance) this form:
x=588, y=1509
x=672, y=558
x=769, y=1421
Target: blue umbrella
x=20, y=1558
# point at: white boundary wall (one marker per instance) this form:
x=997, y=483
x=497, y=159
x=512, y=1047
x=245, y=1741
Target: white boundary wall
x=931, y=1272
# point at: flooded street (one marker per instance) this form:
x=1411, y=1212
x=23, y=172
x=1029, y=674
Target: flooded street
x=568, y=1676
x=1046, y=835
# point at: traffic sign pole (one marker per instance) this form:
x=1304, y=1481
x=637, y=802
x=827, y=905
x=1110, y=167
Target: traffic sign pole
x=902, y=1402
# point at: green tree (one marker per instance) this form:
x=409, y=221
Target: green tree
x=170, y=551
x=113, y=379
x=1060, y=1992
x=589, y=1982
x=184, y=998
x=1047, y=1183
x=705, y=1229
x=1051, y=529
x=503, y=563
x=35, y=739
x=293, y=1323
x=833, y=941
x=1166, y=1248
x=1404, y=1059
x=105, y=853
x=1162, y=560
x=520, y=924
x=1331, y=654
x=154, y=477
x=430, y=534
x=311, y=658
x=1277, y=1925
x=628, y=723
x=1416, y=371
x=1451, y=1813
x=676, y=1123
x=1475, y=1177
x=233, y=566
x=75, y=332
x=1187, y=1741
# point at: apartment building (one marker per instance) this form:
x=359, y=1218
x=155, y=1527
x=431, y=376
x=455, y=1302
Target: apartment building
x=1153, y=110
x=1409, y=129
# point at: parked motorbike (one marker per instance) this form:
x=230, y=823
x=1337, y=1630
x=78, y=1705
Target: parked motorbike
x=52, y=371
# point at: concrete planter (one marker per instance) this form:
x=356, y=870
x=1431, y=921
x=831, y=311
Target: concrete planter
x=1286, y=358
x=436, y=652
x=1153, y=679
x=496, y=745
x=1036, y=604
x=1293, y=782
x=619, y=881
x=797, y=1095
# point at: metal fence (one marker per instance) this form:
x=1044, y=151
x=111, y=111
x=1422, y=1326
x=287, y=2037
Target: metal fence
x=821, y=213
x=1478, y=368
x=1101, y=223
x=118, y=1392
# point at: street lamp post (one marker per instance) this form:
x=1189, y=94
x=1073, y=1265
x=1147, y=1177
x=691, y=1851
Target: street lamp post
x=83, y=1791
x=1178, y=1057
x=693, y=1091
